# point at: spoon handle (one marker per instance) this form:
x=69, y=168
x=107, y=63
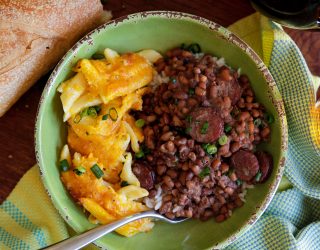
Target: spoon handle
x=84, y=239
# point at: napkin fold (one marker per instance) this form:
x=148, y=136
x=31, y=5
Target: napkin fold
x=28, y=219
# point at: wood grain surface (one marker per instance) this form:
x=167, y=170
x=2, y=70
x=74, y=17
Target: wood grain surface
x=17, y=125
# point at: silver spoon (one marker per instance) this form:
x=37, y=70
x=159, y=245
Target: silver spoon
x=84, y=239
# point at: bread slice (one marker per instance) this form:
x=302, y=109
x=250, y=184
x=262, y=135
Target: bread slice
x=34, y=35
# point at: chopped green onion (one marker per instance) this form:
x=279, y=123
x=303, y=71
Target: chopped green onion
x=139, y=154
x=257, y=122
x=204, y=172
x=97, y=56
x=269, y=118
x=191, y=91
x=211, y=149
x=105, y=117
x=205, y=146
x=96, y=170
x=124, y=184
x=258, y=176
x=227, y=128
x=64, y=165
x=204, y=127
x=113, y=113
x=140, y=123
x=194, y=48
x=92, y=112
x=188, y=130
x=239, y=182
x=79, y=170
x=223, y=140
x=189, y=118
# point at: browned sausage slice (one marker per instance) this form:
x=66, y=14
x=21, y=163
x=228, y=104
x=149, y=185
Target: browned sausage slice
x=266, y=165
x=245, y=165
x=205, y=125
x=144, y=175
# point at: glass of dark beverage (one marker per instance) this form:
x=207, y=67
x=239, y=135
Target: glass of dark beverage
x=299, y=14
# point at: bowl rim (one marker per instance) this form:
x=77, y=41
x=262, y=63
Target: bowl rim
x=275, y=97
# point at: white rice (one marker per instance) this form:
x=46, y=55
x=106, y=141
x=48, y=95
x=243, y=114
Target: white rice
x=158, y=79
x=220, y=62
x=156, y=202
x=198, y=55
x=176, y=208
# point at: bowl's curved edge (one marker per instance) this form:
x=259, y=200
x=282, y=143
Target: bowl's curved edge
x=274, y=96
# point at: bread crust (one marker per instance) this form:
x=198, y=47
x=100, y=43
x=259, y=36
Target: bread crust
x=34, y=35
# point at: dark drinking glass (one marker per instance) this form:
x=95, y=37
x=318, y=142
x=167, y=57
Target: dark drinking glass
x=301, y=14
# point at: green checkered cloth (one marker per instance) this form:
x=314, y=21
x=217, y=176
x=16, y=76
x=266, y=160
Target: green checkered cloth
x=292, y=221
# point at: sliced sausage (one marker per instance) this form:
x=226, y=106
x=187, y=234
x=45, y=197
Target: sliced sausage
x=245, y=164
x=265, y=165
x=205, y=125
x=144, y=174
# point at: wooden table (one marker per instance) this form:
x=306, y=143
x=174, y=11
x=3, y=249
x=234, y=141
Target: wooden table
x=17, y=125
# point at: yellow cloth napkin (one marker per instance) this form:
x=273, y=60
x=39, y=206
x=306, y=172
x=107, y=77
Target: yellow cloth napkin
x=28, y=220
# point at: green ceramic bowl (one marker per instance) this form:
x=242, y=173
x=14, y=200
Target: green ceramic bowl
x=161, y=30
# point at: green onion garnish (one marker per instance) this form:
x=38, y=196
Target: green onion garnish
x=91, y=111
x=191, y=91
x=140, y=123
x=189, y=118
x=204, y=127
x=124, y=184
x=204, y=172
x=113, y=114
x=205, y=146
x=258, y=176
x=227, y=128
x=194, y=48
x=96, y=170
x=105, y=117
x=139, y=154
x=223, y=140
x=211, y=149
x=97, y=56
x=257, y=122
x=79, y=170
x=64, y=165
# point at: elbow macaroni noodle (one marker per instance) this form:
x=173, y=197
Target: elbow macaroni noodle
x=96, y=103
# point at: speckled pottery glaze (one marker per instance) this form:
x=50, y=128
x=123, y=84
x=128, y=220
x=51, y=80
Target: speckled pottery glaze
x=162, y=30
